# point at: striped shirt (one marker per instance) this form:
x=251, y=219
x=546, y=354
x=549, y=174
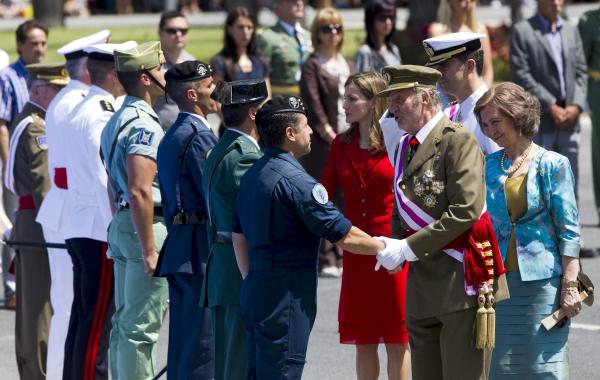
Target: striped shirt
x=13, y=85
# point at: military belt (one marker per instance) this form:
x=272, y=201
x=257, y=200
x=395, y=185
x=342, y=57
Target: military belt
x=286, y=89
x=189, y=218
x=158, y=210
x=594, y=75
x=223, y=237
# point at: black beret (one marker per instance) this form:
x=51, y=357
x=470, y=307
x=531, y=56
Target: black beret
x=188, y=71
x=240, y=92
x=280, y=104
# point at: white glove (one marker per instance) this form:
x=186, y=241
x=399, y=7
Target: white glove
x=392, y=255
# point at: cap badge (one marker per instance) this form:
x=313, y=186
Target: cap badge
x=428, y=49
x=387, y=77
x=294, y=102
x=202, y=70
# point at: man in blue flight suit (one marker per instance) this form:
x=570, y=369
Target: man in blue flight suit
x=279, y=216
x=181, y=159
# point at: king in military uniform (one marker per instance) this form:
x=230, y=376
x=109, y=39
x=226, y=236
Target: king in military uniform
x=27, y=176
x=235, y=153
x=181, y=162
x=443, y=229
x=286, y=45
x=129, y=145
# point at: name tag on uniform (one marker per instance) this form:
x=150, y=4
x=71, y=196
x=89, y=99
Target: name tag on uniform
x=146, y=137
x=42, y=142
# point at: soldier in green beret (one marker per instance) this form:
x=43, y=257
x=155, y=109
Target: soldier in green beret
x=27, y=177
x=589, y=29
x=129, y=145
x=286, y=45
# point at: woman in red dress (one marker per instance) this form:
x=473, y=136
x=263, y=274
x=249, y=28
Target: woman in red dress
x=371, y=307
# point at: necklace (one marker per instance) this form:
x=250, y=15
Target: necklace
x=518, y=163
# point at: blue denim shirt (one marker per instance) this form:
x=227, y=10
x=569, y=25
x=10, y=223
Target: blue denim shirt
x=550, y=227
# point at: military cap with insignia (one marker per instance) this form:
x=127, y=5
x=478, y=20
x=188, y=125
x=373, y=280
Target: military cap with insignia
x=188, y=71
x=75, y=49
x=105, y=52
x=447, y=46
x=142, y=57
x=399, y=77
x=280, y=104
x=241, y=92
x=53, y=73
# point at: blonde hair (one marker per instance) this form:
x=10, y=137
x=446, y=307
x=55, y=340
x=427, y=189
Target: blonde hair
x=326, y=16
x=444, y=14
x=370, y=84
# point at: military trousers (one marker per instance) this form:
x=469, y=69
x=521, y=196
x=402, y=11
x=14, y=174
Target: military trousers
x=278, y=307
x=594, y=102
x=438, y=344
x=191, y=353
x=230, y=342
x=86, y=346
x=32, y=320
x=140, y=301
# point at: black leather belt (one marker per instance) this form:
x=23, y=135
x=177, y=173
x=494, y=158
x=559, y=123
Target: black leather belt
x=223, y=237
x=158, y=210
x=189, y=218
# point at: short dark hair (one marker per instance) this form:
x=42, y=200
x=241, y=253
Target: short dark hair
x=166, y=16
x=477, y=56
x=99, y=70
x=177, y=90
x=25, y=27
x=235, y=114
x=272, y=129
x=229, y=49
x=130, y=80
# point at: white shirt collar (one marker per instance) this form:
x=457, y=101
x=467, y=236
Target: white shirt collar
x=199, y=117
x=247, y=135
x=468, y=105
x=100, y=91
x=291, y=29
x=424, y=132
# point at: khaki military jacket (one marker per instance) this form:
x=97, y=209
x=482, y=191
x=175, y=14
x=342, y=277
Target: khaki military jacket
x=451, y=158
x=30, y=172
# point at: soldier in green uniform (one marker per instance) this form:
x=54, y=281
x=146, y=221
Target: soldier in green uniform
x=589, y=29
x=27, y=176
x=286, y=45
x=129, y=145
x=235, y=153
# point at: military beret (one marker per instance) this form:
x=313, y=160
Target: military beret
x=399, y=77
x=188, y=71
x=76, y=48
x=143, y=57
x=53, y=73
x=241, y=91
x=280, y=104
x=447, y=46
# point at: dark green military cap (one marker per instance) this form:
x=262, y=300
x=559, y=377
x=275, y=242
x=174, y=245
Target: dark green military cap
x=142, y=57
x=53, y=73
x=400, y=77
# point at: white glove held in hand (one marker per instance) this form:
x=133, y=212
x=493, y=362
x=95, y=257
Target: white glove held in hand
x=392, y=256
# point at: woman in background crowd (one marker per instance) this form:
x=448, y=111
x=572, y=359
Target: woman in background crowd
x=322, y=88
x=371, y=307
x=531, y=202
x=459, y=16
x=378, y=50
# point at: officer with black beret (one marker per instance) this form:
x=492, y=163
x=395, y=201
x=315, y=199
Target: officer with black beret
x=234, y=154
x=181, y=158
x=279, y=216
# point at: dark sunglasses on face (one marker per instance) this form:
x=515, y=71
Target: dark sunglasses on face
x=175, y=30
x=326, y=29
x=382, y=17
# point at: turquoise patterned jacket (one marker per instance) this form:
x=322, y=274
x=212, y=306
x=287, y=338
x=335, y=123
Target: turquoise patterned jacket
x=550, y=227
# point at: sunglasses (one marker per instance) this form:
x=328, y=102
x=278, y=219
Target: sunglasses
x=326, y=29
x=382, y=17
x=183, y=31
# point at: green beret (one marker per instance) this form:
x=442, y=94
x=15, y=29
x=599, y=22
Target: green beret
x=53, y=73
x=399, y=77
x=142, y=57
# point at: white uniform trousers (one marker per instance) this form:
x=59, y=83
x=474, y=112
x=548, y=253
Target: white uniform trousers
x=61, y=298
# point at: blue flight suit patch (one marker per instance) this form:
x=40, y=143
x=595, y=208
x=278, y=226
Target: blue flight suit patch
x=146, y=137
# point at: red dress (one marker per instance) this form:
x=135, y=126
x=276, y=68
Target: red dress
x=372, y=306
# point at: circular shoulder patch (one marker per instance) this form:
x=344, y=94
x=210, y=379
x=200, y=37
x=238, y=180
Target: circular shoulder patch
x=319, y=194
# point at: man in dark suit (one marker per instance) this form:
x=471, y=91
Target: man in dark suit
x=547, y=59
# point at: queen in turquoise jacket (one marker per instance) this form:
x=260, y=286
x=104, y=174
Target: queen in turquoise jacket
x=531, y=202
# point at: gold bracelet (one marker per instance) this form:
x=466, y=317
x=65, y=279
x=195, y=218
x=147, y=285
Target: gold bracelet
x=569, y=283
